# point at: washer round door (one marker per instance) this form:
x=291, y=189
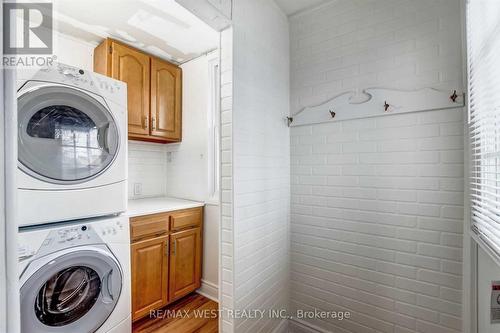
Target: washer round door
x=73, y=292
x=66, y=136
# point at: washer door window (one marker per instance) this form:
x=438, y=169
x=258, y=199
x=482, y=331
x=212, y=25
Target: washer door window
x=75, y=292
x=65, y=135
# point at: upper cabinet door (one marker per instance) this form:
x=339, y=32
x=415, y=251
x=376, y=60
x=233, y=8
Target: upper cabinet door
x=166, y=100
x=133, y=68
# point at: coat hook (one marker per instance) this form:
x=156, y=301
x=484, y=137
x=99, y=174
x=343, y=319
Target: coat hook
x=332, y=113
x=386, y=106
x=454, y=96
x=289, y=120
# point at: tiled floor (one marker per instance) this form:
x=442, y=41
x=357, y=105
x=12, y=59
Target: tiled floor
x=192, y=314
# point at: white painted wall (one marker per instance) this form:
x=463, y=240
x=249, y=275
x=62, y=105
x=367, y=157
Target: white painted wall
x=3, y=234
x=210, y=265
x=187, y=171
x=377, y=204
x=72, y=51
x=261, y=160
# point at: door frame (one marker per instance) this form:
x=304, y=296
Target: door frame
x=470, y=246
x=10, y=320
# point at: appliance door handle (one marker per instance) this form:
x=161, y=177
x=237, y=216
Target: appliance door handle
x=102, y=137
x=107, y=288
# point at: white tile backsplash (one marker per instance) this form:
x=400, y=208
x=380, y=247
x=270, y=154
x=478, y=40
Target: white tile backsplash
x=147, y=165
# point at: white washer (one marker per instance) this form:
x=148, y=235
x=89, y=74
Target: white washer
x=76, y=277
x=72, y=144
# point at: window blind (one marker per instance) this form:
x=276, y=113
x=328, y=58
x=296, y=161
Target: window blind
x=483, y=50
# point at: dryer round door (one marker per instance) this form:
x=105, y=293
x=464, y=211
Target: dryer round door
x=74, y=292
x=66, y=136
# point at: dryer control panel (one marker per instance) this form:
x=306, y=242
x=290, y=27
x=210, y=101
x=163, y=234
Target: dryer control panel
x=80, y=77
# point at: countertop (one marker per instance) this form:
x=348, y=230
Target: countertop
x=148, y=206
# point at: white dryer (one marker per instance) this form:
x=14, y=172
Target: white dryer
x=76, y=277
x=72, y=144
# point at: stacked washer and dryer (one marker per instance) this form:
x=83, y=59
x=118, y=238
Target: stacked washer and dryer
x=74, y=250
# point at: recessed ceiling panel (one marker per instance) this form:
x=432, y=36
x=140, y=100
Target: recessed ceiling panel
x=161, y=27
x=291, y=7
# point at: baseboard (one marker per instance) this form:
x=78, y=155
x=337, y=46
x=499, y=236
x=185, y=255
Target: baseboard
x=209, y=290
x=300, y=326
x=282, y=327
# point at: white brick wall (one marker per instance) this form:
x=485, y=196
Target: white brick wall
x=384, y=43
x=261, y=160
x=378, y=233
x=377, y=204
x=226, y=275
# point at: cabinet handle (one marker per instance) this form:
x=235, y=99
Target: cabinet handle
x=175, y=247
x=167, y=249
x=153, y=123
x=145, y=122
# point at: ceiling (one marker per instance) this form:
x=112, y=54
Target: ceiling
x=291, y=7
x=161, y=27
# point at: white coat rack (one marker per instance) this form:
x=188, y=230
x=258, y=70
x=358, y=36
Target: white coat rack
x=374, y=102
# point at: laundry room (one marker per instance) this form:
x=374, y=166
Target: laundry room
x=250, y=166
x=119, y=178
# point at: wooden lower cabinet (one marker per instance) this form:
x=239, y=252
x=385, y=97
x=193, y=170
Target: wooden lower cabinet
x=185, y=263
x=165, y=267
x=149, y=275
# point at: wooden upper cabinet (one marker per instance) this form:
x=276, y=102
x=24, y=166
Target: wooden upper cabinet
x=166, y=100
x=149, y=259
x=154, y=90
x=185, y=263
x=133, y=68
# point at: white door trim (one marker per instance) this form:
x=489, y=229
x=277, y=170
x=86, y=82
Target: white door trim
x=9, y=279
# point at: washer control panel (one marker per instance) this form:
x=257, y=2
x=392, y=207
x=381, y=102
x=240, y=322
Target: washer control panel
x=111, y=230
x=96, y=232
x=74, y=234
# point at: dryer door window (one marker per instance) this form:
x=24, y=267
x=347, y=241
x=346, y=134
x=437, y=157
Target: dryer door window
x=75, y=292
x=65, y=135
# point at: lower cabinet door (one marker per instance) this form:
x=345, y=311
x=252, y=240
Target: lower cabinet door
x=185, y=262
x=149, y=275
